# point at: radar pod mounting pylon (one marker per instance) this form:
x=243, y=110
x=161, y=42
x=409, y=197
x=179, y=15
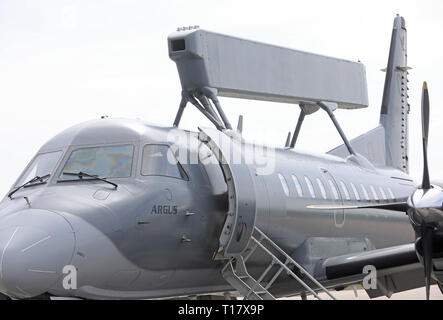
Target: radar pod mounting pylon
x=329, y=108
x=212, y=65
x=201, y=102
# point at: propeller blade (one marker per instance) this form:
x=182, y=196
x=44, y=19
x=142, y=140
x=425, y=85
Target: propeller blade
x=398, y=206
x=426, y=242
x=425, y=129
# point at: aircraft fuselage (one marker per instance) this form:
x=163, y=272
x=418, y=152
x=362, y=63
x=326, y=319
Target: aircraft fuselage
x=156, y=235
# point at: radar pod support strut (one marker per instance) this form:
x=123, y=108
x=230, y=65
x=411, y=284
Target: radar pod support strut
x=201, y=100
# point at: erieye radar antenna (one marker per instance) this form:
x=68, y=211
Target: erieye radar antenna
x=212, y=65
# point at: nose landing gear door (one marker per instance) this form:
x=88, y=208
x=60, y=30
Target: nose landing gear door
x=240, y=218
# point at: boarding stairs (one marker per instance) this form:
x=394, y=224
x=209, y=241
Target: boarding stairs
x=236, y=273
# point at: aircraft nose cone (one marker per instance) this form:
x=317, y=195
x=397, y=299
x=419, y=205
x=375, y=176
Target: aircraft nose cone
x=35, y=245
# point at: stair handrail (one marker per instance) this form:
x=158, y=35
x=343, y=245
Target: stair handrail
x=276, y=247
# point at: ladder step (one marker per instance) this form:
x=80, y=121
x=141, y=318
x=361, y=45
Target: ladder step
x=236, y=273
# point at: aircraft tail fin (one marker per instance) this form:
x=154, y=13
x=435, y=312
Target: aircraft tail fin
x=387, y=145
x=395, y=107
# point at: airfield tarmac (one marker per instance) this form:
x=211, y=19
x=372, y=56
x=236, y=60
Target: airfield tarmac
x=416, y=294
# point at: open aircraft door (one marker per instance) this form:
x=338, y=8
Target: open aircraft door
x=240, y=219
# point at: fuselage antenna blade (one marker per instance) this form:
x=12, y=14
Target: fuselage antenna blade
x=240, y=124
x=288, y=140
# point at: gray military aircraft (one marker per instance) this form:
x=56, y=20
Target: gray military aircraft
x=123, y=209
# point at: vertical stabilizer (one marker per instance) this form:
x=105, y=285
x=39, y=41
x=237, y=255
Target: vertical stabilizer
x=395, y=107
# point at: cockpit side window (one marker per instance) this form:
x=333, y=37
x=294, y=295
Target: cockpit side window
x=159, y=160
x=43, y=164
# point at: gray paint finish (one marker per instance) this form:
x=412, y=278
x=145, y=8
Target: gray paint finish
x=139, y=255
x=247, y=69
x=124, y=247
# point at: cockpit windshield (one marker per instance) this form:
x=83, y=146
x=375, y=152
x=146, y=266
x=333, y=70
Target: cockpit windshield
x=103, y=162
x=42, y=165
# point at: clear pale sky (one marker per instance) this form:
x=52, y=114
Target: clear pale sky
x=64, y=62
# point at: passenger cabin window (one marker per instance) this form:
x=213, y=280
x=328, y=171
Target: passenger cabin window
x=365, y=192
x=356, y=194
x=322, y=188
x=391, y=194
x=310, y=187
x=104, y=162
x=345, y=190
x=374, y=193
x=383, y=194
x=284, y=184
x=158, y=160
x=333, y=189
x=297, y=186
